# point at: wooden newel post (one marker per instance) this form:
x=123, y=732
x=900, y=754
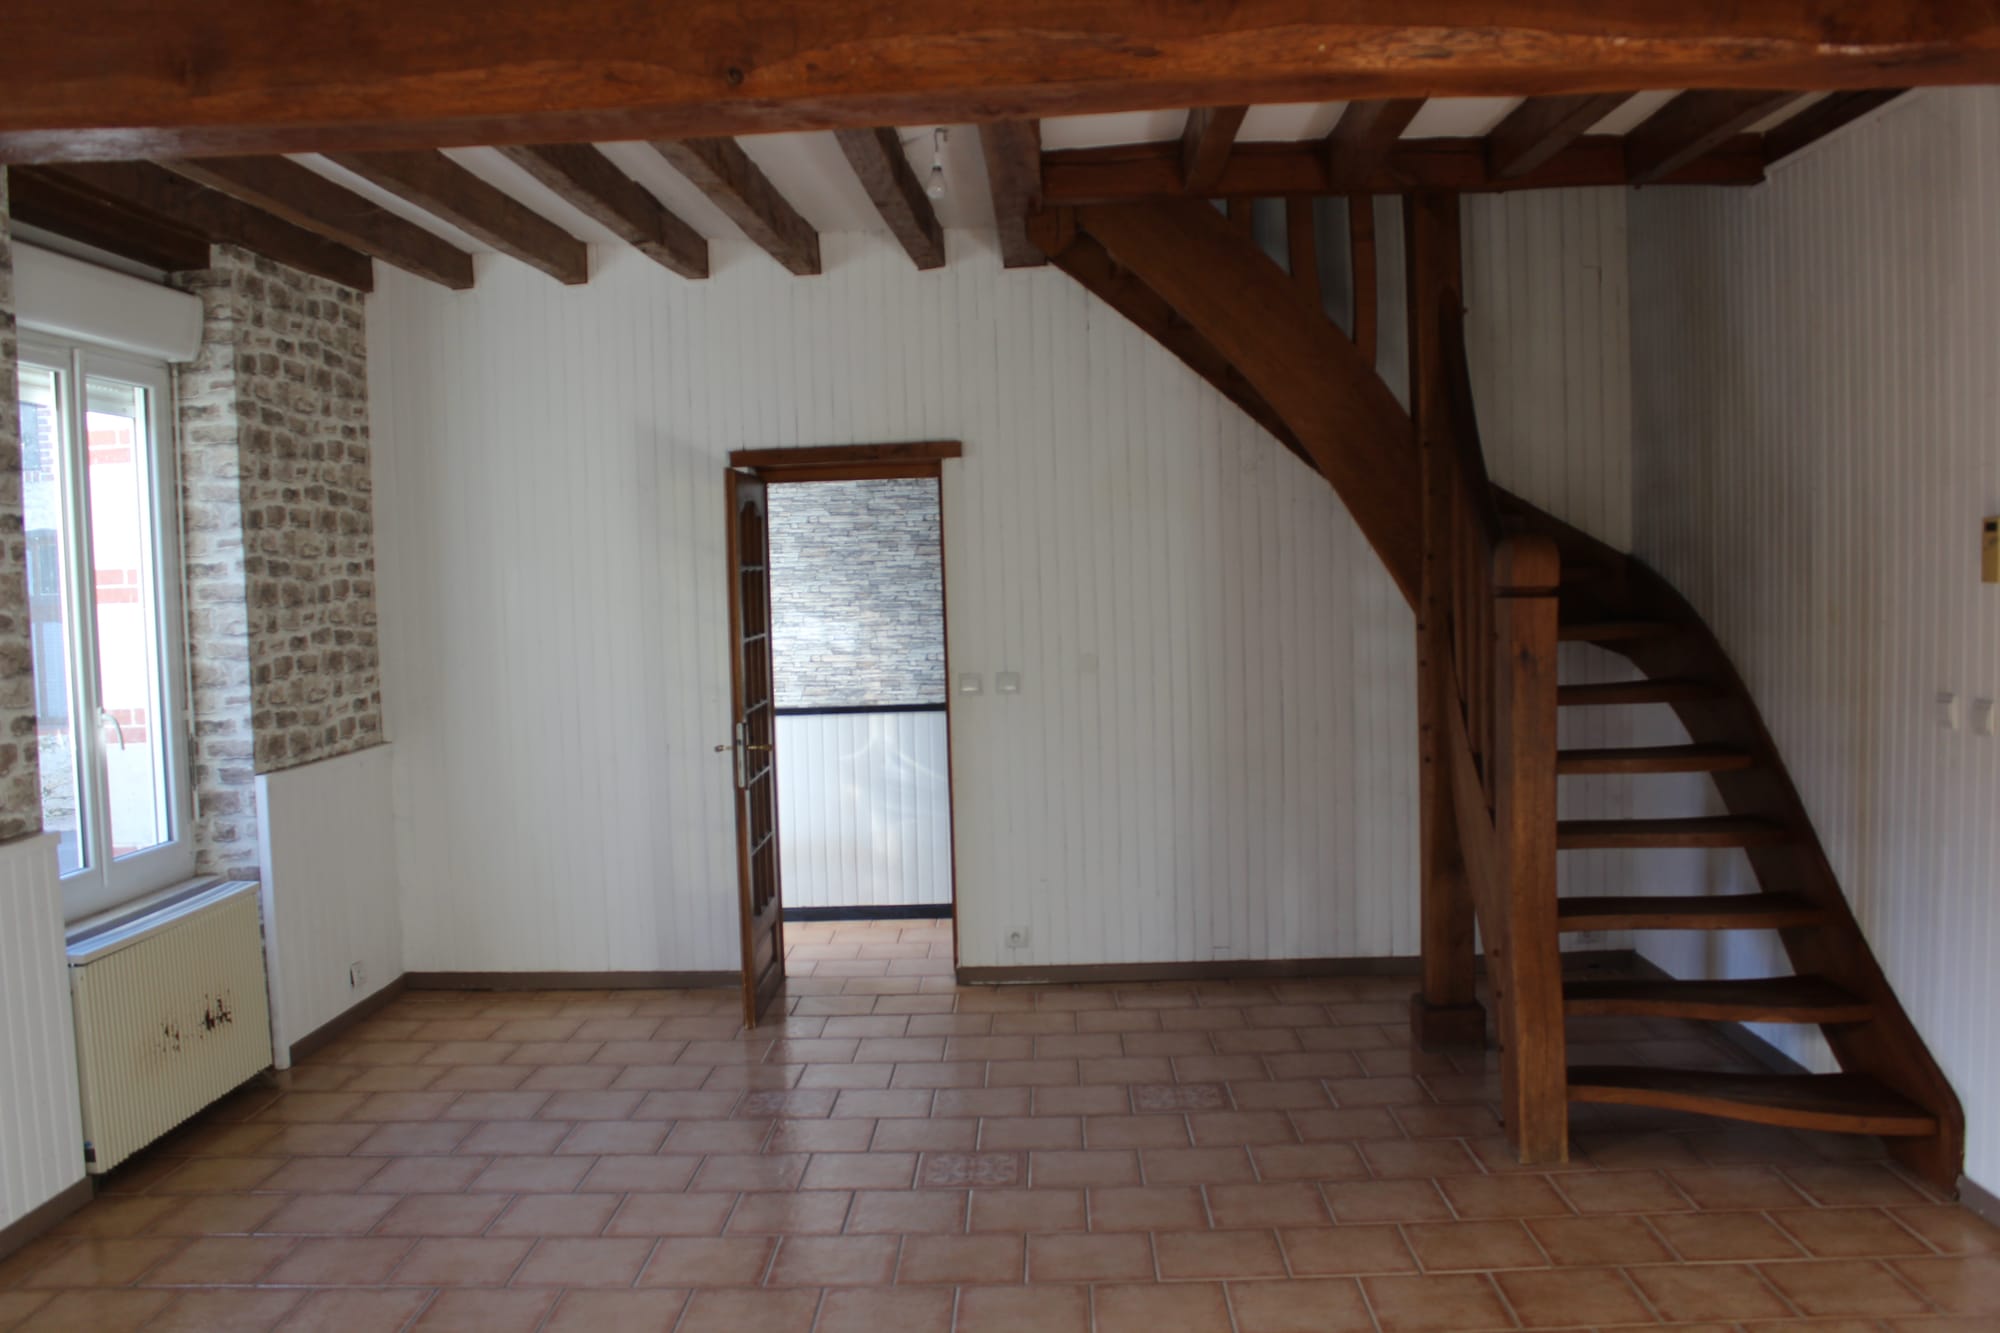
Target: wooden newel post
x=1525, y=962
x=1446, y=1012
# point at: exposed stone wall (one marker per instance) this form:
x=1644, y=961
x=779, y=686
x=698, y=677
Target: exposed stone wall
x=857, y=593
x=279, y=535
x=20, y=778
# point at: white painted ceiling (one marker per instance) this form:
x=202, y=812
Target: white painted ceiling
x=814, y=176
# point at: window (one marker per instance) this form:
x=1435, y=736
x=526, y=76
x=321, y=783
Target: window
x=97, y=482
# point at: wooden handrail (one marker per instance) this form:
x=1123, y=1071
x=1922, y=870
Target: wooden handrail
x=1499, y=632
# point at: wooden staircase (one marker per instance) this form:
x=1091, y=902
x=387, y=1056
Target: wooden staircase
x=1498, y=586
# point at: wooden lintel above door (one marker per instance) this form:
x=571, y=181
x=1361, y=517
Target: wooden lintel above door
x=772, y=461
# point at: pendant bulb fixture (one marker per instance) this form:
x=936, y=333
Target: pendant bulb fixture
x=935, y=185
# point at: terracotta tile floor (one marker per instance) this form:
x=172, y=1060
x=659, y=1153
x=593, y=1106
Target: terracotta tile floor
x=904, y=1156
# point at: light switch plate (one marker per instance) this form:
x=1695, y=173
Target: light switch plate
x=1947, y=710
x=1007, y=682
x=969, y=682
x=1982, y=717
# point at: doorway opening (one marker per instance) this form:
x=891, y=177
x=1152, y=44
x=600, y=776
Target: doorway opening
x=864, y=669
x=858, y=665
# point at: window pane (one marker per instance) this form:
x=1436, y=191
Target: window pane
x=42, y=431
x=126, y=603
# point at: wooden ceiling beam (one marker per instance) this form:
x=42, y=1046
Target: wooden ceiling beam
x=892, y=186
x=41, y=198
x=1136, y=171
x=1206, y=141
x=307, y=199
x=1367, y=132
x=192, y=78
x=1823, y=118
x=720, y=169
x=155, y=191
x=1013, y=150
x=591, y=183
x=1693, y=124
x=1541, y=127
x=447, y=191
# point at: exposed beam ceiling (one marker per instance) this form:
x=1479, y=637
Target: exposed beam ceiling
x=1366, y=134
x=1690, y=126
x=1823, y=118
x=441, y=187
x=187, y=78
x=1013, y=151
x=892, y=186
x=38, y=197
x=591, y=183
x=154, y=191
x=1541, y=127
x=1132, y=171
x=1205, y=144
x=720, y=169
x=307, y=199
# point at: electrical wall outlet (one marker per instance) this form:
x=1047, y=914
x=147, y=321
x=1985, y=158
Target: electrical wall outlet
x=1017, y=938
x=357, y=976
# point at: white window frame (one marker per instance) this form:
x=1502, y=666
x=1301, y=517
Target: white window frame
x=104, y=883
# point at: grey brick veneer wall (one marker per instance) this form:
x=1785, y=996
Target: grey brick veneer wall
x=857, y=593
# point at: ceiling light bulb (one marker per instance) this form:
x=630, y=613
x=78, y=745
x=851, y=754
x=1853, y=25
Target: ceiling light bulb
x=934, y=186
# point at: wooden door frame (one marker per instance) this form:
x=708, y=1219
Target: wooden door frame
x=884, y=462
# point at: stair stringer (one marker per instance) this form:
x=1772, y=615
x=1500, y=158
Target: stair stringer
x=1888, y=1047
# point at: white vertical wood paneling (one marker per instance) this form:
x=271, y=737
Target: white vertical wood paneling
x=864, y=807
x=1814, y=408
x=1211, y=755
x=41, y=1120
x=1212, y=752
x=326, y=838
x=1548, y=335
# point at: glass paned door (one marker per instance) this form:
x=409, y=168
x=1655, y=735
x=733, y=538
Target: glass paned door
x=103, y=572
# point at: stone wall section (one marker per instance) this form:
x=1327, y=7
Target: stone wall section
x=279, y=534
x=20, y=776
x=857, y=593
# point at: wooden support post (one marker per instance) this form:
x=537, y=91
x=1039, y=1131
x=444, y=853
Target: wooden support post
x=1446, y=1012
x=1525, y=959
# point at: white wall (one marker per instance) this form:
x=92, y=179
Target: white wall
x=41, y=1122
x=1212, y=751
x=1815, y=426
x=326, y=843
x=864, y=809
x=1211, y=756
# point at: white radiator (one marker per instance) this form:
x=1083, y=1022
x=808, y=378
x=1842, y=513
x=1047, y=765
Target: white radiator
x=171, y=1014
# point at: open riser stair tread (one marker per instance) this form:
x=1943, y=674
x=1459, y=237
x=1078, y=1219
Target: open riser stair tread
x=1747, y=1000
x=1701, y=831
x=1831, y=1103
x=1742, y=911
x=1653, y=759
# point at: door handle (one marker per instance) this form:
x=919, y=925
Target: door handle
x=106, y=715
x=742, y=746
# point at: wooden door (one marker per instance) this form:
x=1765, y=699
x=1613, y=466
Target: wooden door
x=754, y=748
